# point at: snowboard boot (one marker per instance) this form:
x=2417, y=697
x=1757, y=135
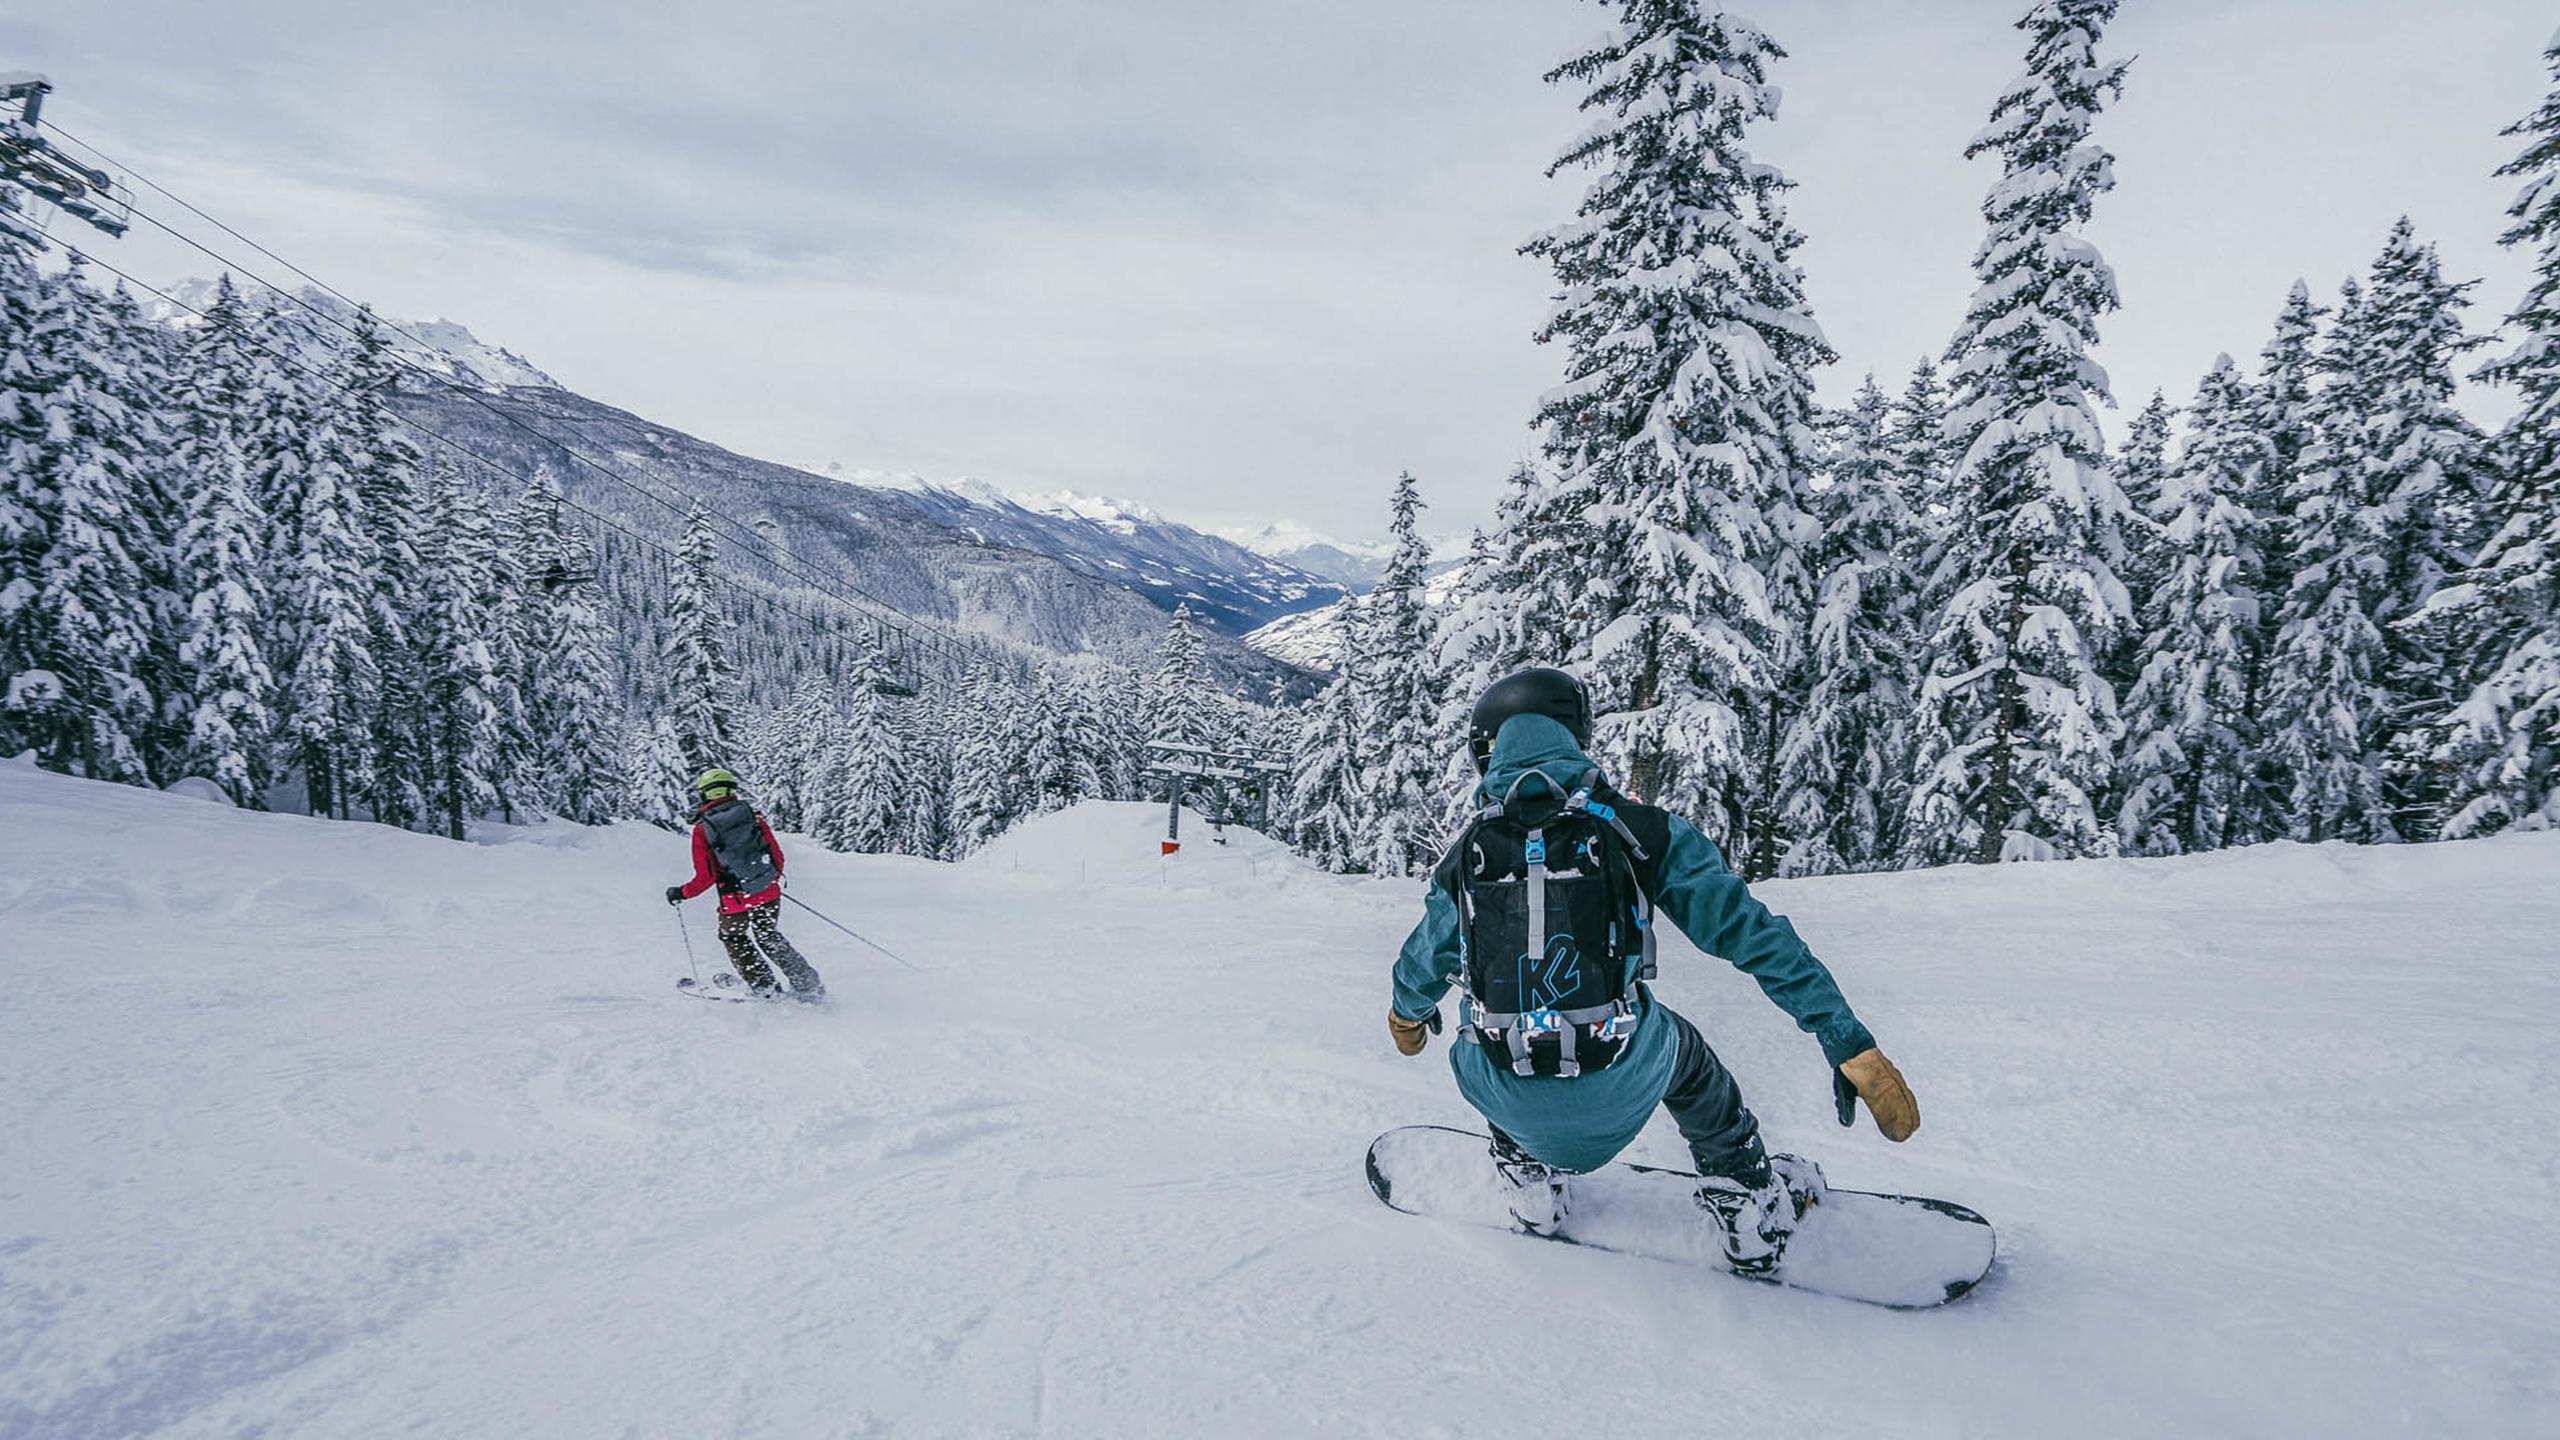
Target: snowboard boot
x=1537, y=1188
x=1757, y=1212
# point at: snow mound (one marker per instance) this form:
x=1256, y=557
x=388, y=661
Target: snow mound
x=197, y=787
x=1104, y=842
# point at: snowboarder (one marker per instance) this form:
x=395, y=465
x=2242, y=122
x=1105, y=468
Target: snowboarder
x=1541, y=913
x=734, y=849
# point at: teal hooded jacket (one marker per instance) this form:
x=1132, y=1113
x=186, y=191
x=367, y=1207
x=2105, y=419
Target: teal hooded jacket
x=1583, y=1122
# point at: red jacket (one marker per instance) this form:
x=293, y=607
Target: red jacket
x=706, y=875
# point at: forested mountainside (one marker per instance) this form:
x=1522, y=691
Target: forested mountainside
x=877, y=539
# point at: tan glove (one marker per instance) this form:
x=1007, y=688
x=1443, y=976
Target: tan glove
x=1872, y=1078
x=1411, y=1035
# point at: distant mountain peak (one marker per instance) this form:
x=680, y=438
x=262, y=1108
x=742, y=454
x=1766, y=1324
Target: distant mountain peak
x=1232, y=588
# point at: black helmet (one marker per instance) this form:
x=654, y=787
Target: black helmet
x=1551, y=693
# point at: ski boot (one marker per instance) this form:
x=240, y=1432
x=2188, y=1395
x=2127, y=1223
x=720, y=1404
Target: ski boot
x=1537, y=1188
x=1758, y=1212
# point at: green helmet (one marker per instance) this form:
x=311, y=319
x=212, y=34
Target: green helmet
x=715, y=779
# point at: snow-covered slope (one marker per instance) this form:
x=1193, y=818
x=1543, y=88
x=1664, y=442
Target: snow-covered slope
x=319, y=1129
x=1232, y=589
x=1312, y=639
x=440, y=346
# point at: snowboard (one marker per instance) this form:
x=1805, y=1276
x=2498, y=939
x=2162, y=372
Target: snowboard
x=1904, y=1252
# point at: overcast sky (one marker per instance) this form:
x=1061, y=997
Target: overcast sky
x=1239, y=260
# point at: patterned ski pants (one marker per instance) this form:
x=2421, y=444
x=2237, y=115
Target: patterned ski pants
x=754, y=936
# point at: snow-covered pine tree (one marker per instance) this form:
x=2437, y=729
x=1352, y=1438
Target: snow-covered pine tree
x=1178, y=702
x=2142, y=470
x=792, y=757
x=460, y=673
x=869, y=765
x=30, y=696
x=1844, y=767
x=2190, y=736
x=2423, y=469
x=322, y=580
x=2499, y=747
x=2326, y=712
x=986, y=780
x=656, y=781
x=1072, y=759
x=924, y=809
x=572, y=705
x=385, y=464
x=1402, y=761
x=144, y=378
x=2019, y=724
x=2287, y=404
x=702, y=684
x=1328, y=794
x=1917, y=441
x=90, y=615
x=1687, y=334
x=223, y=708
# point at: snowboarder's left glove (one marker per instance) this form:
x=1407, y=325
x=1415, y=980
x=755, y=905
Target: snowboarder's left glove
x=675, y=894
x=1869, y=1076
x=1412, y=1035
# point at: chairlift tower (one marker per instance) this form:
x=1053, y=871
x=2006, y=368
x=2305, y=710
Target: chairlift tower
x=1179, y=765
x=39, y=167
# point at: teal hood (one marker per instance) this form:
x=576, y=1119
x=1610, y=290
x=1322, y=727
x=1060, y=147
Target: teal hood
x=1526, y=744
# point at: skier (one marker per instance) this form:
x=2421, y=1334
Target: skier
x=735, y=850
x=1566, y=1058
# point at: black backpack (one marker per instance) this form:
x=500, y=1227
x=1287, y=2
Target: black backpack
x=738, y=849
x=1555, y=927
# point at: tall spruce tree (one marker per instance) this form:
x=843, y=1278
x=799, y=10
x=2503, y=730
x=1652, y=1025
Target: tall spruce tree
x=2499, y=747
x=459, y=670
x=223, y=710
x=2019, y=722
x=385, y=465
x=2424, y=473
x=1328, y=794
x=702, y=699
x=2190, y=732
x=1680, y=428
x=1917, y=439
x=2327, y=711
x=1845, y=764
x=1403, y=763
x=323, y=583
x=1179, y=711
x=2287, y=408
x=90, y=613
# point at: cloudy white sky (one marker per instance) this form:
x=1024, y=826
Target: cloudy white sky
x=1241, y=261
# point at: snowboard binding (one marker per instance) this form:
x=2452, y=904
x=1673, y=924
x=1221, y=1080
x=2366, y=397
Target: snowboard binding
x=1757, y=1220
x=1538, y=1200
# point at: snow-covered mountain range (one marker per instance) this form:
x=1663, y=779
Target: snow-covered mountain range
x=1230, y=587
x=1355, y=565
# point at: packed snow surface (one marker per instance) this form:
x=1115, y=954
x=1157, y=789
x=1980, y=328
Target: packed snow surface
x=324, y=1129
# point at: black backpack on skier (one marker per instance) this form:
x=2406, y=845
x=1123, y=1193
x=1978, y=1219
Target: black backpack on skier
x=1556, y=928
x=739, y=854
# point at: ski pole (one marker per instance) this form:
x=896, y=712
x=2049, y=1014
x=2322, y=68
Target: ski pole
x=687, y=932
x=856, y=934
